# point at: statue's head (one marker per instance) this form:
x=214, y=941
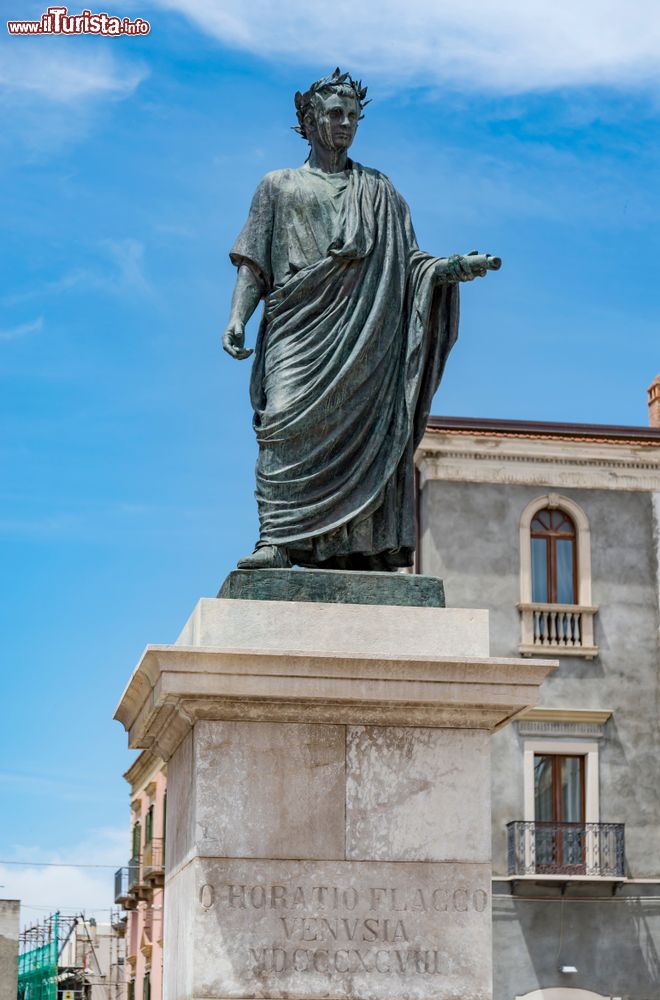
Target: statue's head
x=329, y=112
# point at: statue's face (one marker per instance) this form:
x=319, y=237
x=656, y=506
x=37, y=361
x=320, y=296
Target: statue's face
x=335, y=120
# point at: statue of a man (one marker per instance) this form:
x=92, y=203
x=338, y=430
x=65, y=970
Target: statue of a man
x=357, y=326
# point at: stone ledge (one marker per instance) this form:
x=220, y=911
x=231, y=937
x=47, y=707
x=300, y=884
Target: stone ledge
x=588, y=652
x=568, y=722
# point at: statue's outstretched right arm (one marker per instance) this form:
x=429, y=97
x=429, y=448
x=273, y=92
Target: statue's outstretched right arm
x=465, y=267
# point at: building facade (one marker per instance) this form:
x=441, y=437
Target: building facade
x=555, y=528
x=9, y=923
x=139, y=884
x=91, y=963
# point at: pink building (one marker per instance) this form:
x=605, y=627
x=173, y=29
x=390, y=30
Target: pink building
x=139, y=885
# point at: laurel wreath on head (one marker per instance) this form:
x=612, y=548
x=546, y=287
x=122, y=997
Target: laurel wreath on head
x=334, y=81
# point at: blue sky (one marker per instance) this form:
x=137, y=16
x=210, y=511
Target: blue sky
x=127, y=166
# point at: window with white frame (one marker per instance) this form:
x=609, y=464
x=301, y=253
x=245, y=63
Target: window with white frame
x=555, y=578
x=554, y=557
x=561, y=781
x=560, y=831
x=561, y=834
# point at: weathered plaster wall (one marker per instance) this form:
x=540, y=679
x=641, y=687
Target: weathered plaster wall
x=613, y=944
x=470, y=539
x=9, y=918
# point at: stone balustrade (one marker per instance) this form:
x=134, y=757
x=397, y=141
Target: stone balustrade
x=564, y=629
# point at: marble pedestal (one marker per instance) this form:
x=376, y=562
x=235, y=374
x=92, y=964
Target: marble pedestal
x=328, y=827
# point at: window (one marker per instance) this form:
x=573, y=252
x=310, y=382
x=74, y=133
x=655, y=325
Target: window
x=555, y=579
x=554, y=558
x=146, y=986
x=561, y=833
x=137, y=841
x=149, y=825
x=559, y=812
x=559, y=788
x=131, y=990
x=561, y=781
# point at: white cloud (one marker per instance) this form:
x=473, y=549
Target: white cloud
x=508, y=46
x=22, y=330
x=127, y=256
x=64, y=75
x=52, y=90
x=119, y=270
x=70, y=890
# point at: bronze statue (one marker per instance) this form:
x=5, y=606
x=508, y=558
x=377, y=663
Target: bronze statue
x=357, y=326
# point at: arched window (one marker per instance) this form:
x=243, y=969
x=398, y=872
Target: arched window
x=554, y=557
x=555, y=578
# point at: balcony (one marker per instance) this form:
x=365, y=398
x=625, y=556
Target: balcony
x=582, y=850
x=133, y=876
x=153, y=863
x=126, y=884
x=558, y=629
x=121, y=886
x=140, y=888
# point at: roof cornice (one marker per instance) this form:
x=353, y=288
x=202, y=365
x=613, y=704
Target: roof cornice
x=535, y=428
x=141, y=769
x=555, y=455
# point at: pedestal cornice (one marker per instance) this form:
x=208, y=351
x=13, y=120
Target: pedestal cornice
x=174, y=686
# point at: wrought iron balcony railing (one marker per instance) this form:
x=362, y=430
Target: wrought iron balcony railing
x=593, y=850
x=126, y=880
x=133, y=869
x=121, y=886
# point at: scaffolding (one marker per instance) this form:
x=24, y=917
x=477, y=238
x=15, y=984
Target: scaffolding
x=39, y=950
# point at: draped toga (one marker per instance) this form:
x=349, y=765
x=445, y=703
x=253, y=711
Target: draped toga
x=351, y=348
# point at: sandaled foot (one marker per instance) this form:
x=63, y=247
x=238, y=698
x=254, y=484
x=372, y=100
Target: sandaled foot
x=266, y=557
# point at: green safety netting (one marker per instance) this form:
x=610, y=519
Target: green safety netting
x=37, y=966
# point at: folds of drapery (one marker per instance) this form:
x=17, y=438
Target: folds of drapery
x=350, y=352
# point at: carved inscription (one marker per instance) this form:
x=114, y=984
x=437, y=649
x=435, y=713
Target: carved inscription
x=206, y=896
x=350, y=930
x=326, y=929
